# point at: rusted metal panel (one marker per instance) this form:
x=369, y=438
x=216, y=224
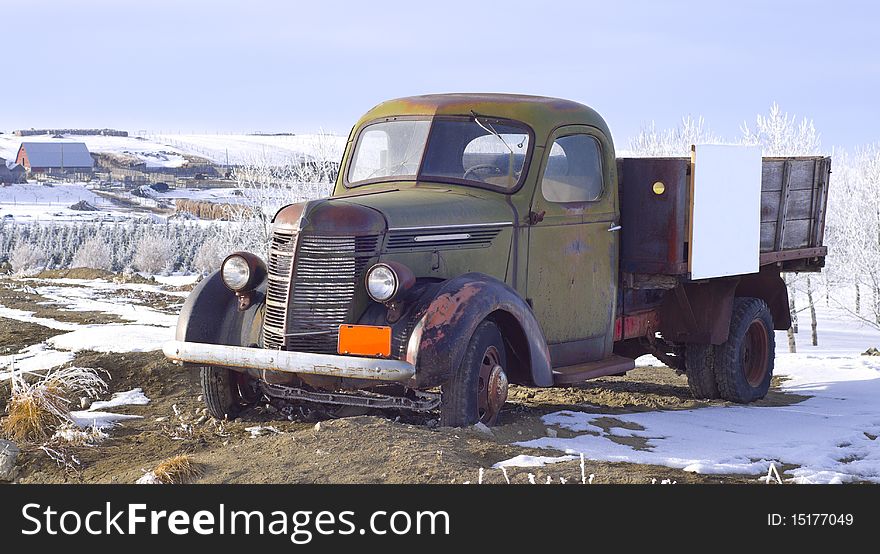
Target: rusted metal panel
x=243, y=358
x=611, y=365
x=698, y=312
x=769, y=287
x=654, y=235
x=573, y=264
x=642, y=324
x=797, y=254
x=447, y=320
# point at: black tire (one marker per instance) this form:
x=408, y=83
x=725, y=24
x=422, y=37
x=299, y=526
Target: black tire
x=460, y=401
x=744, y=364
x=699, y=361
x=222, y=391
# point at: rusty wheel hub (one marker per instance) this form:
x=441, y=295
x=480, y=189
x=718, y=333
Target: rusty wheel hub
x=755, y=352
x=492, y=388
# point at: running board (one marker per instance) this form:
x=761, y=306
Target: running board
x=611, y=365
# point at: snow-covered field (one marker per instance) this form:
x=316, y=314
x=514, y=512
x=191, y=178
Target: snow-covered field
x=145, y=329
x=171, y=150
x=25, y=203
x=829, y=438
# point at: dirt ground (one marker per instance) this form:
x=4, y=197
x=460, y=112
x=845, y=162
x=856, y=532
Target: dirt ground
x=381, y=447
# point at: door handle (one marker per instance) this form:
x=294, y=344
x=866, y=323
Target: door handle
x=614, y=227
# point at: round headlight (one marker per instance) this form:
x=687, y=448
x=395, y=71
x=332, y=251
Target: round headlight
x=235, y=272
x=382, y=283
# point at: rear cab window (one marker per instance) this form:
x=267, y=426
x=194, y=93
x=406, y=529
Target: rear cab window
x=574, y=170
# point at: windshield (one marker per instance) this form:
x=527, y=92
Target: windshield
x=477, y=150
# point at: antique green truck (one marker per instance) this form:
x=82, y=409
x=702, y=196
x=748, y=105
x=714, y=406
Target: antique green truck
x=476, y=240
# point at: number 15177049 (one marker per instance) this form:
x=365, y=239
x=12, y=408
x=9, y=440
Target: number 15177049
x=809, y=520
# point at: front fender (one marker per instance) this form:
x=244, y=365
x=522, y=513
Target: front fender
x=210, y=315
x=449, y=318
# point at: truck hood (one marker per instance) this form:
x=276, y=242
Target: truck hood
x=375, y=211
x=432, y=207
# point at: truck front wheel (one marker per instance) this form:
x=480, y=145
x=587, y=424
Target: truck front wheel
x=478, y=387
x=744, y=364
x=225, y=391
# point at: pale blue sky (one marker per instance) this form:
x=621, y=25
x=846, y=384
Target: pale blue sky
x=197, y=66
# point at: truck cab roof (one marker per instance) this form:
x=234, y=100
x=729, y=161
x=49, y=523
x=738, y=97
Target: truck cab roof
x=541, y=113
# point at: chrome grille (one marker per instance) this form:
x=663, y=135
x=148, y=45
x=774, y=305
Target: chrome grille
x=282, y=249
x=439, y=238
x=318, y=293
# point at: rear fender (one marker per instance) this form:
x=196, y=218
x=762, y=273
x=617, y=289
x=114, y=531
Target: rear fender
x=211, y=315
x=450, y=314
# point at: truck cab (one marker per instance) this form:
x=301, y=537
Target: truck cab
x=472, y=241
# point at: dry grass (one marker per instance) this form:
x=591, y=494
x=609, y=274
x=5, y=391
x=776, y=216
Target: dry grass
x=177, y=470
x=33, y=413
x=36, y=408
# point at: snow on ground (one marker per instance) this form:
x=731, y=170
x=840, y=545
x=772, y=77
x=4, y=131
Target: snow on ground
x=100, y=420
x=148, y=329
x=829, y=438
x=176, y=280
x=37, y=202
x=114, y=338
x=133, y=397
x=244, y=149
x=171, y=150
x=98, y=295
x=32, y=359
x=28, y=317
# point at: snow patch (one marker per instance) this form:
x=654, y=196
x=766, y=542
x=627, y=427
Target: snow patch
x=828, y=436
x=133, y=397
x=115, y=337
x=100, y=420
x=148, y=478
x=524, y=460
x=28, y=317
x=33, y=359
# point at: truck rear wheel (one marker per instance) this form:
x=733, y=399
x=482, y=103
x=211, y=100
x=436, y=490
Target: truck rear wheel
x=225, y=392
x=699, y=362
x=478, y=387
x=744, y=364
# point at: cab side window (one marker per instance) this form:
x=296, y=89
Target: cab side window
x=574, y=170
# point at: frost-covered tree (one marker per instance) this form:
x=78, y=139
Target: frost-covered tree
x=210, y=255
x=779, y=134
x=861, y=223
x=268, y=184
x=94, y=253
x=677, y=141
x=153, y=254
x=27, y=259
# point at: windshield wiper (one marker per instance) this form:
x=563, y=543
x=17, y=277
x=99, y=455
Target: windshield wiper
x=489, y=129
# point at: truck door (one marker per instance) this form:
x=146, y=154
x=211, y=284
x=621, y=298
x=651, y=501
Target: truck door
x=573, y=245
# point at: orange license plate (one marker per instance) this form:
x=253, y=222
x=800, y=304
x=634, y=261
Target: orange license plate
x=364, y=340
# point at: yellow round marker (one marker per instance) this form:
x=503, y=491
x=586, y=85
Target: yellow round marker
x=659, y=187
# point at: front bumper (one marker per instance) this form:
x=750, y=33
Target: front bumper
x=289, y=362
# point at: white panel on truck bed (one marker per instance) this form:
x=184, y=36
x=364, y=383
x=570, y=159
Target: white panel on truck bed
x=726, y=216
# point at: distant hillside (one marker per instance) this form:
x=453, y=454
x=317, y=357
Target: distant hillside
x=177, y=150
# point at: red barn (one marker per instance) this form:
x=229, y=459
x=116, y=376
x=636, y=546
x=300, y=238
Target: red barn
x=50, y=157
